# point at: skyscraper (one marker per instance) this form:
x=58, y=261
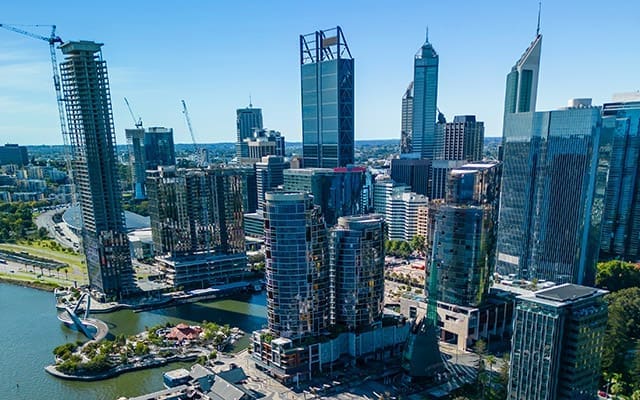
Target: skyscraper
x=85, y=86
x=558, y=335
x=247, y=120
x=13, y=154
x=425, y=96
x=407, y=121
x=148, y=149
x=357, y=271
x=269, y=175
x=551, y=184
x=522, y=81
x=402, y=215
x=327, y=85
x=462, y=139
x=621, y=213
x=297, y=267
x=337, y=191
x=414, y=172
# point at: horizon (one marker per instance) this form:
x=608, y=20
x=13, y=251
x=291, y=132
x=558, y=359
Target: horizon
x=216, y=64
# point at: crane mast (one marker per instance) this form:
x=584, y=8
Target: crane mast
x=136, y=121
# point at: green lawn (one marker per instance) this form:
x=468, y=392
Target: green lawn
x=38, y=249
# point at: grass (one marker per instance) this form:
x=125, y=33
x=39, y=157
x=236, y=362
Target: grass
x=29, y=280
x=39, y=248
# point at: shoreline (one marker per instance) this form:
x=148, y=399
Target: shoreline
x=42, y=286
x=119, y=370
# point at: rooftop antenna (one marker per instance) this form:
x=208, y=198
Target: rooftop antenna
x=250, y=103
x=427, y=36
x=539, y=10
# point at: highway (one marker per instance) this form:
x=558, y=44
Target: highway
x=59, y=231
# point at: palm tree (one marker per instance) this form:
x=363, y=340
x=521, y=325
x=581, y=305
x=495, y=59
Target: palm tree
x=490, y=359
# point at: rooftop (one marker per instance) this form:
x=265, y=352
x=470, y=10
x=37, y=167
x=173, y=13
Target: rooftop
x=566, y=292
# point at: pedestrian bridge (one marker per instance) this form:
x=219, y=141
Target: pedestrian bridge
x=94, y=329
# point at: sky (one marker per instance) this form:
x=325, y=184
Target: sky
x=215, y=55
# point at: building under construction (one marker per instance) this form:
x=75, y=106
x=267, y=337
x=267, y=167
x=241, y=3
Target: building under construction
x=85, y=85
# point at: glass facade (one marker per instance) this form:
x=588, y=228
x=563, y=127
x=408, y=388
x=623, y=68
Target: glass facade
x=522, y=81
x=297, y=265
x=247, y=120
x=406, y=128
x=357, y=271
x=550, y=187
x=158, y=147
x=327, y=86
x=621, y=211
x=425, y=96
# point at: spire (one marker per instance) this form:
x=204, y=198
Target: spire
x=427, y=35
x=539, y=10
x=250, y=103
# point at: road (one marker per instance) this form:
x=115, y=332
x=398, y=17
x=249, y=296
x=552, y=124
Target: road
x=59, y=231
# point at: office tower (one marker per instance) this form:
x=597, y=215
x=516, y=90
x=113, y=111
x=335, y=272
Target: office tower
x=407, y=121
x=557, y=344
x=383, y=188
x=249, y=188
x=197, y=224
x=477, y=182
x=247, y=120
x=462, y=139
x=552, y=183
x=402, y=215
x=14, y=154
x=621, y=214
x=440, y=170
x=263, y=143
x=88, y=107
x=522, y=81
x=148, y=149
x=297, y=267
x=337, y=191
x=425, y=95
x=412, y=172
x=269, y=175
x=327, y=82
x=357, y=271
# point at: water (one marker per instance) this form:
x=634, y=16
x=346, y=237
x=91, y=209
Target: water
x=29, y=330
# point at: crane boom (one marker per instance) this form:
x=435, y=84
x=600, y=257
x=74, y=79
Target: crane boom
x=53, y=39
x=198, y=151
x=137, y=122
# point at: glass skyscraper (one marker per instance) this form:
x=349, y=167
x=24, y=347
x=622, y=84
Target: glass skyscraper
x=148, y=149
x=425, y=96
x=406, y=121
x=551, y=184
x=248, y=119
x=621, y=213
x=327, y=85
x=297, y=265
x=522, y=81
x=85, y=84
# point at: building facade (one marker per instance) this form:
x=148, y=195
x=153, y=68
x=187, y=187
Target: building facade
x=148, y=149
x=402, y=215
x=383, y=188
x=462, y=139
x=338, y=191
x=414, y=172
x=297, y=265
x=14, y=154
x=557, y=343
x=247, y=121
x=85, y=85
x=621, y=215
x=327, y=85
x=425, y=96
x=264, y=143
x=357, y=271
x=269, y=175
x=522, y=81
x=406, y=124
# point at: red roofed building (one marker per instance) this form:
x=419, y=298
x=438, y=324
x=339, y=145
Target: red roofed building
x=182, y=332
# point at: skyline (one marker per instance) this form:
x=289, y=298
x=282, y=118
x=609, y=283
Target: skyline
x=145, y=48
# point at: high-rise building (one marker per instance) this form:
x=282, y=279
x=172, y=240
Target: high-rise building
x=337, y=191
x=269, y=175
x=406, y=127
x=551, y=184
x=462, y=139
x=402, y=215
x=148, y=149
x=414, y=172
x=263, y=143
x=461, y=235
x=522, y=81
x=14, y=154
x=247, y=121
x=383, y=188
x=621, y=214
x=297, y=265
x=357, y=271
x=327, y=82
x=558, y=336
x=439, y=173
x=85, y=85
x=197, y=224
x=425, y=95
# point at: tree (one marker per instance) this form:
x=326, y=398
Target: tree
x=617, y=275
x=623, y=329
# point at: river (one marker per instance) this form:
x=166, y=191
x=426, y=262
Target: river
x=30, y=331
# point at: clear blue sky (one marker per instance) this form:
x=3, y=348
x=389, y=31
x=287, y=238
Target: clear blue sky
x=214, y=54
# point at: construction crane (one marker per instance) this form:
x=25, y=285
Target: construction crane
x=198, y=150
x=136, y=121
x=52, y=39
